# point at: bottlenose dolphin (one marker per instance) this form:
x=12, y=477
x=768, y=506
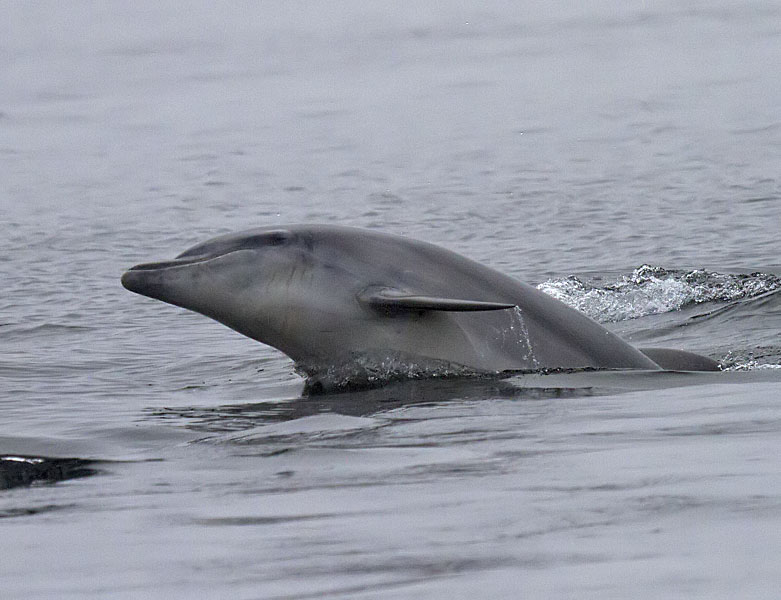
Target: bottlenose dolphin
x=331, y=295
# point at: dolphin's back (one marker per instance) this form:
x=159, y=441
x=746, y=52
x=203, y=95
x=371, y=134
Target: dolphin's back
x=559, y=336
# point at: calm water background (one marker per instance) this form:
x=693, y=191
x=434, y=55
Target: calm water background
x=544, y=139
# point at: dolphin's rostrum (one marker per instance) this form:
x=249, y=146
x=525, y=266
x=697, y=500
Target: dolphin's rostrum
x=327, y=295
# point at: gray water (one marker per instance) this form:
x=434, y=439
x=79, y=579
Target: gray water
x=623, y=156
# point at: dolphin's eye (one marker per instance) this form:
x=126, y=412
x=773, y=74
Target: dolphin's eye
x=262, y=240
x=276, y=238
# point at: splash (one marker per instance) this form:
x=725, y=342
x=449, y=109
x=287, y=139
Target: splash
x=752, y=365
x=519, y=334
x=653, y=290
x=367, y=370
x=765, y=358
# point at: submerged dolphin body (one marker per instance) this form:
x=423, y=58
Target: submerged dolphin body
x=329, y=295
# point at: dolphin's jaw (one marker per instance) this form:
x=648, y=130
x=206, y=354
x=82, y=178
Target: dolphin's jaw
x=167, y=281
x=145, y=278
x=154, y=278
x=139, y=282
x=154, y=284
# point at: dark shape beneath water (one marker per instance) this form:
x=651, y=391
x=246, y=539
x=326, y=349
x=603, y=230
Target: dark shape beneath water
x=16, y=471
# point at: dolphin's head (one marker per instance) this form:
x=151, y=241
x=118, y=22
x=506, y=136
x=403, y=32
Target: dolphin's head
x=281, y=287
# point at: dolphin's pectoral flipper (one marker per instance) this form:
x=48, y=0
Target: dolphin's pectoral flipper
x=680, y=360
x=392, y=299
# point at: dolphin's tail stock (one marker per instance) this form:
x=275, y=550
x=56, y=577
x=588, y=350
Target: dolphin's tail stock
x=680, y=360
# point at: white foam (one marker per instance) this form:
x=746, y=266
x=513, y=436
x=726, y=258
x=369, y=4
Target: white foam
x=653, y=290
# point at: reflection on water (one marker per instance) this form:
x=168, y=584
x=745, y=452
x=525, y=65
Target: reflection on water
x=371, y=402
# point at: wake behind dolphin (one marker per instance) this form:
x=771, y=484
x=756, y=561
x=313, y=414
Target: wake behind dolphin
x=341, y=298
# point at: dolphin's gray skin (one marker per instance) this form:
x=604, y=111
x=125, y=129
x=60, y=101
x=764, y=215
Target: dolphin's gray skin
x=680, y=360
x=326, y=295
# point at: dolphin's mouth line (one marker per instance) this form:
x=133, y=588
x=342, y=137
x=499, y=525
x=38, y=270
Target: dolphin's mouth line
x=179, y=262
x=166, y=264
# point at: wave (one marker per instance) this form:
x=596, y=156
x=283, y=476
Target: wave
x=652, y=290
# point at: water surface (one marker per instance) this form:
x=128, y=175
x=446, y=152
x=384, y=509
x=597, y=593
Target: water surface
x=622, y=156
